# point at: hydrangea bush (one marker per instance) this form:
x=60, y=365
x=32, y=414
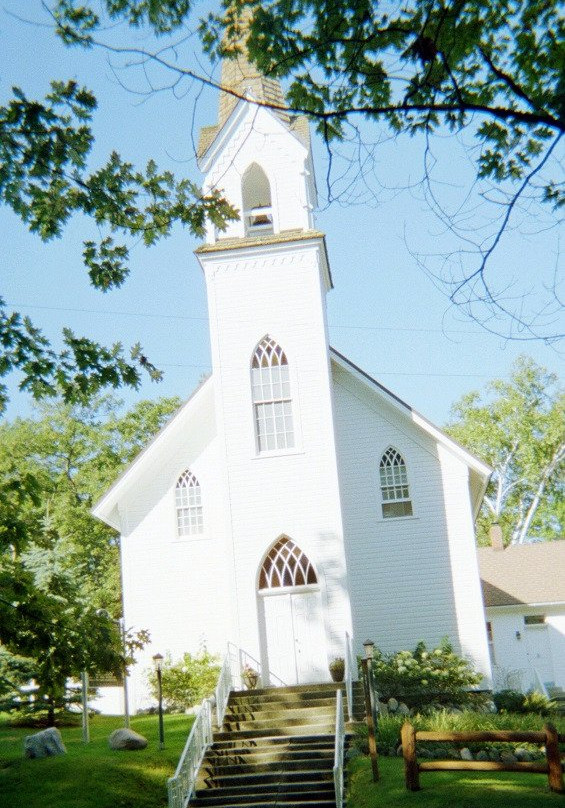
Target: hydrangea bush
x=423, y=676
x=187, y=681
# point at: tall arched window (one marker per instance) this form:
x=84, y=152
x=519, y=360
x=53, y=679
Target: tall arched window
x=394, y=485
x=256, y=197
x=272, y=403
x=286, y=565
x=188, y=501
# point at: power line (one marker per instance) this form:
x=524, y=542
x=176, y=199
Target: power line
x=163, y=316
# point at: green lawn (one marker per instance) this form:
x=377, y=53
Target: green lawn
x=447, y=789
x=92, y=775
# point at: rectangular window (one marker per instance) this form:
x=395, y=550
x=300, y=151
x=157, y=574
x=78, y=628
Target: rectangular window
x=188, y=503
x=490, y=638
x=395, y=509
x=272, y=404
x=534, y=619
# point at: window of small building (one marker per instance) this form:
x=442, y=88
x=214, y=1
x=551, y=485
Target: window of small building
x=188, y=501
x=395, y=491
x=490, y=639
x=534, y=619
x=272, y=402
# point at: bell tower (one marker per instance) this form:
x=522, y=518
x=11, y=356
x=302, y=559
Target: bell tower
x=259, y=155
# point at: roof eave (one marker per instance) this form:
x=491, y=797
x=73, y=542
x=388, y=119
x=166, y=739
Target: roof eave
x=417, y=418
x=105, y=508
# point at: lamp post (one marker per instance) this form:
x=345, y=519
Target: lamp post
x=370, y=713
x=158, y=663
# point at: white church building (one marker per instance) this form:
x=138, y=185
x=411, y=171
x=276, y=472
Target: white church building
x=292, y=499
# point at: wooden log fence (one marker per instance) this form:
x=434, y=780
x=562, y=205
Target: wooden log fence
x=550, y=738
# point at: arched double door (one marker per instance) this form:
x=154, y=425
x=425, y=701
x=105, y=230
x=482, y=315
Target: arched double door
x=291, y=617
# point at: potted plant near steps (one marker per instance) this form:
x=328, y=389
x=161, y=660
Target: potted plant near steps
x=337, y=669
x=250, y=677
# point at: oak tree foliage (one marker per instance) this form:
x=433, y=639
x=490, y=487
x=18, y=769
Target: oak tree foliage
x=490, y=71
x=44, y=177
x=487, y=71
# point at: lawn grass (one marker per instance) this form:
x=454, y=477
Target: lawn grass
x=447, y=789
x=92, y=775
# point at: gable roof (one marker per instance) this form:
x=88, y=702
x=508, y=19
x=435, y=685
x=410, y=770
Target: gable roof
x=469, y=459
x=523, y=574
x=106, y=508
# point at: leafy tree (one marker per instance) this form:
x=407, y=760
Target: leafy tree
x=59, y=567
x=516, y=426
x=486, y=69
x=187, y=681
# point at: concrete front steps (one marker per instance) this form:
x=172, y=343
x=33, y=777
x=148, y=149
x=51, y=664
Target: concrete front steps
x=275, y=748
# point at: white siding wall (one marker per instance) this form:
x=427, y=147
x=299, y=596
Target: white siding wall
x=177, y=588
x=404, y=572
x=279, y=292
x=513, y=663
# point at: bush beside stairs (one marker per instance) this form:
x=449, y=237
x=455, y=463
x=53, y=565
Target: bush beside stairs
x=275, y=748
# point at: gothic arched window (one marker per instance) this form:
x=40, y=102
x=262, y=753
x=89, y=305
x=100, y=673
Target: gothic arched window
x=394, y=485
x=256, y=198
x=286, y=565
x=188, y=502
x=272, y=403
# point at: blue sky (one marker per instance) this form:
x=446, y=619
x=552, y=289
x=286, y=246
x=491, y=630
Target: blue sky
x=384, y=313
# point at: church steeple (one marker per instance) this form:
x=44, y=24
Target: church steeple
x=258, y=154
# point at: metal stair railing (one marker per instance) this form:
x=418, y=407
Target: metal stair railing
x=339, y=750
x=181, y=785
x=223, y=688
x=350, y=666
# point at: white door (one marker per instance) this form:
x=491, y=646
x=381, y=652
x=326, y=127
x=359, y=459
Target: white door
x=294, y=630
x=539, y=655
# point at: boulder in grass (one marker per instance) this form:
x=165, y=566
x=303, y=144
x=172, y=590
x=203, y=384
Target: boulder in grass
x=126, y=739
x=42, y=744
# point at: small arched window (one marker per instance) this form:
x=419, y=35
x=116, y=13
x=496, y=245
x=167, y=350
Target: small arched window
x=256, y=198
x=286, y=565
x=188, y=501
x=272, y=403
x=394, y=485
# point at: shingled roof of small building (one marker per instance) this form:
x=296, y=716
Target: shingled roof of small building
x=523, y=573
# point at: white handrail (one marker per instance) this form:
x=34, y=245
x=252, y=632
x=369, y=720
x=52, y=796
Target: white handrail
x=223, y=689
x=349, y=669
x=339, y=750
x=181, y=785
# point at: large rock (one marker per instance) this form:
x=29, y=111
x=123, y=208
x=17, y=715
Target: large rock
x=466, y=754
x=42, y=744
x=126, y=739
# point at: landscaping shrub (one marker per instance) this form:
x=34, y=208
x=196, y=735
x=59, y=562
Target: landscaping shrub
x=187, y=681
x=512, y=701
x=421, y=677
